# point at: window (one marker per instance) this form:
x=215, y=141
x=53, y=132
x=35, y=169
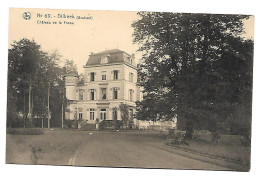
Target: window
x=102, y=114
x=115, y=74
x=103, y=73
x=104, y=59
x=92, y=114
x=81, y=94
x=80, y=114
x=115, y=93
x=131, y=91
x=103, y=93
x=92, y=76
x=103, y=77
x=131, y=77
x=92, y=94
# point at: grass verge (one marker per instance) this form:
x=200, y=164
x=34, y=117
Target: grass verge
x=25, y=131
x=229, y=148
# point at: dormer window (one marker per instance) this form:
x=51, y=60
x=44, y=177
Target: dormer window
x=104, y=59
x=131, y=59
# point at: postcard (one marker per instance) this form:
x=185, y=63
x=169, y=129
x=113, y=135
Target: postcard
x=129, y=89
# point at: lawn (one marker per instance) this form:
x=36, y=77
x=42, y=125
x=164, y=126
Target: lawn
x=56, y=147
x=229, y=147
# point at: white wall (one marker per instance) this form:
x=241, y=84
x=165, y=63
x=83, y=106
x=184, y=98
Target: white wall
x=122, y=83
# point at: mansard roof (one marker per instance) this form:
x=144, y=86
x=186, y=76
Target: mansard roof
x=113, y=56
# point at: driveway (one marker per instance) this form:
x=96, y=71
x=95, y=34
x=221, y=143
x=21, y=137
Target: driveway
x=131, y=149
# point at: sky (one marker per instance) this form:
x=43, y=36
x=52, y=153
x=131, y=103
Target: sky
x=103, y=30
x=107, y=30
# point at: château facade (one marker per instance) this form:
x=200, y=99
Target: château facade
x=110, y=79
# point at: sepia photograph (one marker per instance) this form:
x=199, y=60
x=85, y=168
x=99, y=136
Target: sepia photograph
x=129, y=89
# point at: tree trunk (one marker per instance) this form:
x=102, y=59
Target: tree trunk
x=44, y=111
x=30, y=103
x=49, y=117
x=62, y=117
x=24, y=110
x=189, y=129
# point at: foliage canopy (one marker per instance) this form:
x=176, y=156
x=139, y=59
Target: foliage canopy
x=196, y=66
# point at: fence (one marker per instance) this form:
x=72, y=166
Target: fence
x=158, y=125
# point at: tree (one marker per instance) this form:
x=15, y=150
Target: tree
x=23, y=58
x=124, y=109
x=181, y=61
x=70, y=67
x=35, y=85
x=12, y=114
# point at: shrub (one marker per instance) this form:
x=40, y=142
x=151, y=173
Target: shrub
x=118, y=124
x=245, y=141
x=215, y=136
x=15, y=122
x=176, y=137
x=25, y=131
x=68, y=123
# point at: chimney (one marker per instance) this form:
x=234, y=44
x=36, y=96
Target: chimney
x=132, y=60
x=133, y=56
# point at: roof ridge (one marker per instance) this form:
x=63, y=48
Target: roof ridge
x=115, y=56
x=107, y=51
